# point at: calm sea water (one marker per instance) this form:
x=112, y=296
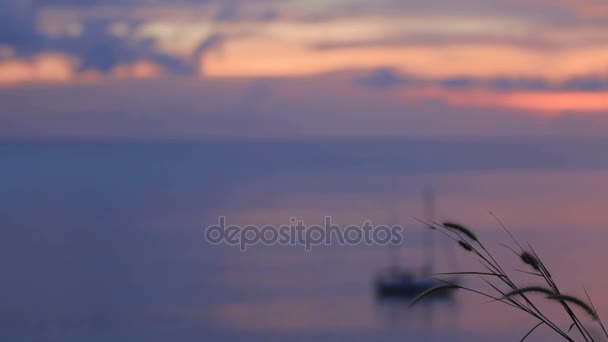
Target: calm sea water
x=104, y=241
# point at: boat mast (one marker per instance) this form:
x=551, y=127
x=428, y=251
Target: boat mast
x=428, y=248
x=395, y=250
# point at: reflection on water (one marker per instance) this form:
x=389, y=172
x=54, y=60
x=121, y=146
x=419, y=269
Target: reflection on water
x=431, y=314
x=104, y=241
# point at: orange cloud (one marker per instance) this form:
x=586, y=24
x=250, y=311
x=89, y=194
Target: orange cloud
x=91, y=75
x=60, y=68
x=141, y=69
x=558, y=101
x=45, y=67
x=258, y=57
x=586, y=8
x=545, y=102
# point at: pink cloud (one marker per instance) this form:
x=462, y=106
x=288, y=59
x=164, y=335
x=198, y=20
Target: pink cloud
x=551, y=103
x=56, y=68
x=143, y=69
x=44, y=67
x=585, y=8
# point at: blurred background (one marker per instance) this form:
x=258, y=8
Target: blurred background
x=128, y=127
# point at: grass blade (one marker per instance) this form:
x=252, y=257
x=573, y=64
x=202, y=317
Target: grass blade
x=531, y=330
x=433, y=291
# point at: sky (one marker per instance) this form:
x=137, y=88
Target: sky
x=302, y=68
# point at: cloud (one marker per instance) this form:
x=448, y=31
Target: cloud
x=93, y=41
x=457, y=82
x=269, y=56
x=201, y=51
x=30, y=30
x=100, y=49
x=261, y=38
x=383, y=78
x=584, y=9
x=46, y=68
x=512, y=84
x=557, y=102
x=229, y=10
x=56, y=68
x=141, y=69
x=547, y=103
x=390, y=77
x=586, y=94
x=586, y=83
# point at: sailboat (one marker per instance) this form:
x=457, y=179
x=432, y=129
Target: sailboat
x=399, y=282
x=404, y=283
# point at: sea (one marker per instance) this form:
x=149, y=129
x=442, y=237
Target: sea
x=105, y=240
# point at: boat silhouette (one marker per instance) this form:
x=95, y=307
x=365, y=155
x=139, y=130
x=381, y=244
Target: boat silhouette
x=400, y=282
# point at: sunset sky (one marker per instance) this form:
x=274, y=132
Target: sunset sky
x=259, y=68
